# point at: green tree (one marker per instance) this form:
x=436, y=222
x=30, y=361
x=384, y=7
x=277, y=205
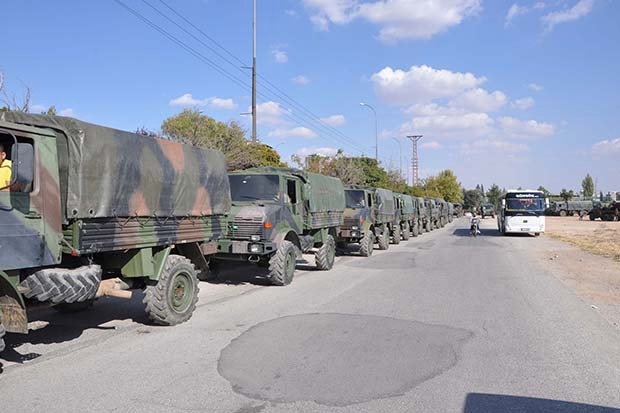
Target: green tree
x=444, y=185
x=493, y=194
x=566, y=195
x=472, y=199
x=588, y=186
x=544, y=190
x=263, y=155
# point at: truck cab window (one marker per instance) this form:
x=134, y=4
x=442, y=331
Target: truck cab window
x=291, y=191
x=16, y=163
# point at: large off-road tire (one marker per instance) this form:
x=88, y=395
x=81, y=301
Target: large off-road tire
x=2, y=331
x=172, y=299
x=282, y=264
x=415, y=230
x=73, y=307
x=367, y=244
x=406, y=232
x=563, y=213
x=325, y=256
x=384, y=240
x=60, y=285
x=396, y=236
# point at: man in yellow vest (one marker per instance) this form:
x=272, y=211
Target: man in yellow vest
x=5, y=170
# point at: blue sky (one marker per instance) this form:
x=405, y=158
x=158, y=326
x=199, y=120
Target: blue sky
x=515, y=93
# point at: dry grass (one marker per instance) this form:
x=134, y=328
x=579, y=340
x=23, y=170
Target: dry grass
x=597, y=237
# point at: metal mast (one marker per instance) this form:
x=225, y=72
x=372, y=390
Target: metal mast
x=415, y=162
x=254, y=138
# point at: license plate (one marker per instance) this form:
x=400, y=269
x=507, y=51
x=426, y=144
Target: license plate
x=240, y=247
x=525, y=230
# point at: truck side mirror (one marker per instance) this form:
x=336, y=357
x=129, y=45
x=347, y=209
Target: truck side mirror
x=22, y=171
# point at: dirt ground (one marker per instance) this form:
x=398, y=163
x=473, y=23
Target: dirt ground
x=587, y=259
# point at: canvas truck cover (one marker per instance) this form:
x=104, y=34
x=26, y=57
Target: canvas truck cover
x=407, y=204
x=324, y=193
x=385, y=204
x=106, y=172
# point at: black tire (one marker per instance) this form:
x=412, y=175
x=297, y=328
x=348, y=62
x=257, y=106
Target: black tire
x=415, y=230
x=61, y=285
x=406, y=232
x=367, y=244
x=172, y=299
x=396, y=236
x=282, y=264
x=537, y=234
x=384, y=240
x=263, y=263
x=325, y=256
x=2, y=332
x=73, y=307
x=592, y=217
x=563, y=213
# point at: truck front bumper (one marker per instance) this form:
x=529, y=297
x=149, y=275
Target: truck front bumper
x=241, y=249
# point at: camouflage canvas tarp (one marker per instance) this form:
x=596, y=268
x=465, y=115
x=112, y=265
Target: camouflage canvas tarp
x=106, y=172
x=407, y=203
x=326, y=193
x=385, y=201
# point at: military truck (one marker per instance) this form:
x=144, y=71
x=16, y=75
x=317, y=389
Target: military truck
x=570, y=208
x=409, y=216
x=93, y=211
x=606, y=212
x=277, y=214
x=450, y=212
x=487, y=210
x=433, y=213
x=368, y=218
x=442, y=207
x=424, y=215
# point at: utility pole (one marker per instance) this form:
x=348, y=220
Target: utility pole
x=254, y=138
x=415, y=162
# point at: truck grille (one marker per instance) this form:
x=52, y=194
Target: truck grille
x=247, y=227
x=349, y=222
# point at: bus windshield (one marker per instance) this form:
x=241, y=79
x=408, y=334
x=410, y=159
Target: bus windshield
x=525, y=204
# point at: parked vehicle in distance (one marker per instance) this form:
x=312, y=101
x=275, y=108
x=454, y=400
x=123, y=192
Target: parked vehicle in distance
x=606, y=212
x=488, y=210
x=570, y=208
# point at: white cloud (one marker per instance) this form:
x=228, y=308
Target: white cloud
x=535, y=87
x=324, y=151
x=524, y=103
x=580, y=9
x=67, y=112
x=270, y=113
x=291, y=12
x=493, y=145
x=433, y=145
x=516, y=10
x=518, y=128
x=421, y=84
x=279, y=56
x=301, y=80
x=297, y=132
x=334, y=120
x=212, y=102
x=397, y=19
x=479, y=100
x=607, y=147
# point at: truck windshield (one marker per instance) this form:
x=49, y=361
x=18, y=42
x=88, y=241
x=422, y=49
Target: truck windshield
x=354, y=198
x=245, y=188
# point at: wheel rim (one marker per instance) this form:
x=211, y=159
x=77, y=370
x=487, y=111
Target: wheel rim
x=181, y=292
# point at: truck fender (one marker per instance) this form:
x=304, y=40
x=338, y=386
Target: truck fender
x=287, y=236
x=193, y=252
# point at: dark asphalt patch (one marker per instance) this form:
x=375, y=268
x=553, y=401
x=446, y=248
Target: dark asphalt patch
x=338, y=359
x=391, y=261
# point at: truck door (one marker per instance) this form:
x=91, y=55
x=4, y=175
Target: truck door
x=293, y=190
x=30, y=221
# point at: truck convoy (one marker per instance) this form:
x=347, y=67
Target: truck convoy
x=92, y=211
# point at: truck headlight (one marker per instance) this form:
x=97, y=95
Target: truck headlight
x=355, y=227
x=256, y=248
x=255, y=238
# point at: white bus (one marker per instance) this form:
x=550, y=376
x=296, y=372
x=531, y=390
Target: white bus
x=522, y=211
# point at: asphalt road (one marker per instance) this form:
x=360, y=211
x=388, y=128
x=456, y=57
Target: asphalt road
x=442, y=323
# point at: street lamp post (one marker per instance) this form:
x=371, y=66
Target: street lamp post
x=400, y=157
x=376, y=131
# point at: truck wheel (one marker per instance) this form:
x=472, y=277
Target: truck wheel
x=282, y=264
x=73, y=307
x=367, y=244
x=396, y=236
x=172, y=299
x=415, y=230
x=406, y=232
x=1, y=335
x=384, y=240
x=61, y=285
x=591, y=216
x=324, y=258
x=563, y=213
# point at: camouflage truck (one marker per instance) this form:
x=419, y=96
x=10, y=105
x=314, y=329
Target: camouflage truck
x=606, y=212
x=433, y=209
x=368, y=218
x=424, y=215
x=450, y=212
x=409, y=216
x=277, y=214
x=442, y=207
x=94, y=211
